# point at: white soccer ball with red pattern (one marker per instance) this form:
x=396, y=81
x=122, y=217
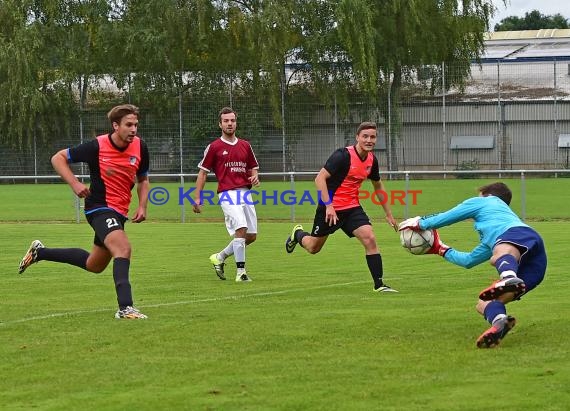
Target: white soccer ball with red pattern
x=416, y=242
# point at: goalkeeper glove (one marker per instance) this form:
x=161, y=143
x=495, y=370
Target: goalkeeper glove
x=438, y=246
x=411, y=223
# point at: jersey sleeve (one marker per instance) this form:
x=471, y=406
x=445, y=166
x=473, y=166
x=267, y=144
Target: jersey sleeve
x=479, y=254
x=207, y=162
x=84, y=153
x=145, y=161
x=338, y=161
x=375, y=170
x=252, y=160
x=463, y=211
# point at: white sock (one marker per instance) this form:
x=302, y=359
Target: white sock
x=499, y=317
x=226, y=252
x=508, y=273
x=239, y=249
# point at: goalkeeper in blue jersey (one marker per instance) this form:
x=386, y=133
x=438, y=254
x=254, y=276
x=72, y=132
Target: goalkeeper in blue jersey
x=514, y=248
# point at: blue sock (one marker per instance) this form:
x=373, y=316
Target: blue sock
x=507, y=262
x=493, y=309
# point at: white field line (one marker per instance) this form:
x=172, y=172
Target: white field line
x=203, y=300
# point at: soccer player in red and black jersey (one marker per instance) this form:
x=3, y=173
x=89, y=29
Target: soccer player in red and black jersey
x=116, y=160
x=339, y=183
x=233, y=162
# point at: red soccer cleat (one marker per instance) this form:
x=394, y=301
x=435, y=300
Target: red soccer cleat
x=510, y=284
x=493, y=336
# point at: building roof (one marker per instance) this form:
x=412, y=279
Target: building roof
x=527, y=45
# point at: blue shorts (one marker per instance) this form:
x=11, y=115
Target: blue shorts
x=532, y=265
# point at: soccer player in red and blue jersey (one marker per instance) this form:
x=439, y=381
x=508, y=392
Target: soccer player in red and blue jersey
x=338, y=183
x=233, y=162
x=116, y=160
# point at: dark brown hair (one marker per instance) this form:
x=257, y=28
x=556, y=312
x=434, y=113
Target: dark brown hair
x=226, y=110
x=116, y=114
x=365, y=126
x=498, y=190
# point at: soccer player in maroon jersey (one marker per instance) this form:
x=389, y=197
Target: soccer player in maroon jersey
x=233, y=162
x=115, y=161
x=341, y=177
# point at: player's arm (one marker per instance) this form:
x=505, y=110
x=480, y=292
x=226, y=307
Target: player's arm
x=253, y=166
x=60, y=164
x=322, y=189
x=143, y=185
x=143, y=188
x=200, y=184
x=478, y=255
x=254, y=177
x=205, y=165
x=379, y=188
x=463, y=211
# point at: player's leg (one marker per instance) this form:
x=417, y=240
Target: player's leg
x=119, y=247
x=366, y=236
x=312, y=242
x=531, y=269
x=495, y=313
x=516, y=244
x=38, y=252
x=110, y=235
x=236, y=220
x=239, y=254
x=357, y=224
x=218, y=259
x=505, y=258
x=251, y=219
x=293, y=240
x=250, y=238
x=99, y=258
x=244, y=237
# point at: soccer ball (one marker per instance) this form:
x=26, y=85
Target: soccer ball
x=416, y=242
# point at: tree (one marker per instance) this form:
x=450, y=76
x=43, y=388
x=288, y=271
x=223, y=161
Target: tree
x=32, y=94
x=156, y=42
x=534, y=20
x=389, y=41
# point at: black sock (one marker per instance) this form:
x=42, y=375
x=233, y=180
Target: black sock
x=122, y=286
x=240, y=264
x=299, y=234
x=374, y=262
x=73, y=256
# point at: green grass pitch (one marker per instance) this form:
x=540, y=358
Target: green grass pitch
x=307, y=334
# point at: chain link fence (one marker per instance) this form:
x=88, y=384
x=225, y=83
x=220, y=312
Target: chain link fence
x=507, y=116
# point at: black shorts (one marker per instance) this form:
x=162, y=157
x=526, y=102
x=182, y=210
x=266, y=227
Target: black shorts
x=348, y=220
x=103, y=222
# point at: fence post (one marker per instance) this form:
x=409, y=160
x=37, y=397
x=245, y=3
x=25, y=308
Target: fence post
x=182, y=207
x=292, y=179
x=443, y=119
x=406, y=197
x=523, y=196
x=77, y=209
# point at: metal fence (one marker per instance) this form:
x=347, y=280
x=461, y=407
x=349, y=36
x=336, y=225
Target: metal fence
x=295, y=183
x=508, y=116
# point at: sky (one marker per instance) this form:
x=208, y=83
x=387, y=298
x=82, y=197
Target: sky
x=520, y=7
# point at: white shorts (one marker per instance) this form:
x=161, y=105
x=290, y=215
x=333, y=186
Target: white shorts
x=237, y=213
